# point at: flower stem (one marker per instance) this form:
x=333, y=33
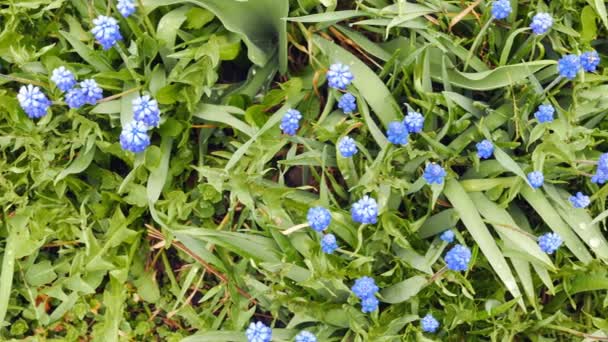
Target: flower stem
x=552, y=84
x=115, y=96
x=24, y=80
x=295, y=228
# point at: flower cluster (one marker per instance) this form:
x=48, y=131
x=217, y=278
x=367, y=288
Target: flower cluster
x=569, y=65
x=501, y=9
x=63, y=78
x=347, y=103
x=306, y=336
x=434, y=174
x=580, y=200
x=291, y=122
x=328, y=243
x=397, y=133
x=485, y=149
x=544, y=113
x=601, y=174
x=414, y=122
x=536, y=179
x=429, y=323
x=458, y=258
x=126, y=7
x=146, y=114
x=365, y=288
x=541, y=23
x=347, y=147
x=590, y=60
x=447, y=236
x=106, y=31
x=365, y=210
x=146, y=110
x=33, y=101
x=339, y=76
x=549, y=242
x=318, y=218
x=258, y=332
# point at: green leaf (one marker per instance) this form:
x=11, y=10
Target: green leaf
x=40, y=274
x=600, y=7
x=328, y=16
x=509, y=164
x=89, y=55
x=158, y=176
x=6, y=275
x=223, y=114
x=404, y=290
x=81, y=162
x=166, y=33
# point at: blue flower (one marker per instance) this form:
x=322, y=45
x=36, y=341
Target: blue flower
x=541, y=23
x=291, y=122
x=568, y=66
x=347, y=147
x=429, y=323
x=447, y=236
x=365, y=210
x=33, y=101
x=146, y=109
x=397, y=133
x=92, y=92
x=126, y=7
x=580, y=200
x=549, y=242
x=347, y=103
x=590, y=60
x=433, y=173
x=328, y=243
x=414, y=122
x=63, y=78
x=318, y=218
x=485, y=149
x=501, y=9
x=106, y=31
x=74, y=98
x=258, y=332
x=365, y=287
x=339, y=76
x=600, y=176
x=536, y=179
x=305, y=336
x=369, y=304
x=134, y=137
x=458, y=258
x=544, y=113
x=602, y=162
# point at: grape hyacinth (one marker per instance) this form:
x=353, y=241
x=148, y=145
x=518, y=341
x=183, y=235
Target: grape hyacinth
x=75, y=98
x=92, y=92
x=536, y=179
x=63, y=78
x=458, y=258
x=291, y=122
x=590, y=60
x=397, y=133
x=365, y=287
x=568, y=66
x=541, y=23
x=429, y=323
x=549, y=242
x=579, y=200
x=328, y=243
x=447, y=236
x=365, y=210
x=544, y=113
x=414, y=122
x=126, y=7
x=434, y=173
x=258, y=332
x=106, y=31
x=485, y=149
x=339, y=76
x=145, y=109
x=501, y=9
x=601, y=174
x=318, y=218
x=134, y=137
x=306, y=336
x=347, y=147
x=33, y=101
x=369, y=304
x=347, y=103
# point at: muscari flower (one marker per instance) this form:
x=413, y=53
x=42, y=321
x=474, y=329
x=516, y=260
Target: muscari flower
x=347, y=103
x=347, y=147
x=291, y=122
x=541, y=23
x=434, y=173
x=429, y=323
x=549, y=242
x=134, y=137
x=568, y=66
x=536, y=179
x=63, y=78
x=365, y=287
x=369, y=304
x=75, y=98
x=365, y=210
x=579, y=200
x=544, y=113
x=397, y=133
x=339, y=76
x=501, y=9
x=106, y=31
x=602, y=162
x=318, y=218
x=146, y=109
x=485, y=149
x=590, y=60
x=33, y=101
x=306, y=336
x=258, y=332
x=414, y=122
x=458, y=258
x=328, y=243
x=447, y=236
x=126, y=7
x=92, y=92
x=600, y=176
